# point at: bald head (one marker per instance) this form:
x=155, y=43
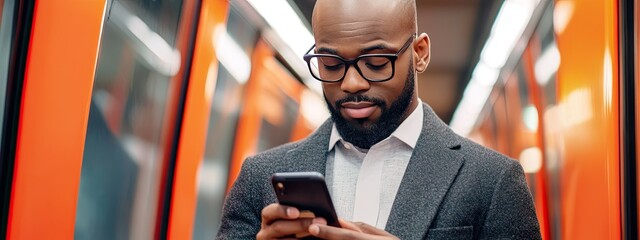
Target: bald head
x=390, y=17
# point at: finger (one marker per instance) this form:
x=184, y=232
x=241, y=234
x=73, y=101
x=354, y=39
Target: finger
x=328, y=232
x=276, y=211
x=348, y=225
x=284, y=228
x=320, y=221
x=366, y=228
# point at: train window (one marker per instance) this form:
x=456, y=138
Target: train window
x=548, y=58
x=277, y=129
x=278, y=123
x=499, y=118
x=213, y=173
x=280, y=91
x=517, y=95
x=243, y=32
x=6, y=30
x=224, y=115
x=125, y=143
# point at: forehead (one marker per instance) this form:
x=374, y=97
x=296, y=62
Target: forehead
x=353, y=22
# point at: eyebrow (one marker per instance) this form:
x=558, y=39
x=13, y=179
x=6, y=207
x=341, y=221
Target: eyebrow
x=375, y=47
x=327, y=50
x=363, y=51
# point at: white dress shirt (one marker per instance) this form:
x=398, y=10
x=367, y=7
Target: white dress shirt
x=363, y=183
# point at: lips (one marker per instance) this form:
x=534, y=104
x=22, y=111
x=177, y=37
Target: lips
x=357, y=110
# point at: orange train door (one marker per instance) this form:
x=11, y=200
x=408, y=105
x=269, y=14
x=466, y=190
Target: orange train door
x=198, y=102
x=588, y=89
x=580, y=195
x=53, y=105
x=54, y=52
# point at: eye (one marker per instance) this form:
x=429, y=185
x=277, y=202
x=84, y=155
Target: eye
x=333, y=67
x=376, y=67
x=330, y=63
x=376, y=63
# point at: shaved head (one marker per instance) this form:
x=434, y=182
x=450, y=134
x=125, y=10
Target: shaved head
x=400, y=14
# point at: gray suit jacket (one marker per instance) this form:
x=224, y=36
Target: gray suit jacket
x=452, y=188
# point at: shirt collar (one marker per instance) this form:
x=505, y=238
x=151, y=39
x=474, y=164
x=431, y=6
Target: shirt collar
x=335, y=137
x=408, y=131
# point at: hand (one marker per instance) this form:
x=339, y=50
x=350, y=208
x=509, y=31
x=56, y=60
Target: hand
x=279, y=221
x=349, y=230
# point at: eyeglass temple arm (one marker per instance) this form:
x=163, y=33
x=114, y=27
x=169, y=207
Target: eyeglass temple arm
x=314, y=45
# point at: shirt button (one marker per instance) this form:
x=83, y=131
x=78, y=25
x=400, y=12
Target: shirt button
x=348, y=146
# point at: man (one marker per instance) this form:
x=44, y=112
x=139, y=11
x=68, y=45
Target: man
x=391, y=165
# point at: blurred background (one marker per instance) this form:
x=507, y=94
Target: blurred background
x=182, y=91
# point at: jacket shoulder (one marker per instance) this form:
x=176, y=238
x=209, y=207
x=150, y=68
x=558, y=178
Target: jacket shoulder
x=483, y=157
x=271, y=158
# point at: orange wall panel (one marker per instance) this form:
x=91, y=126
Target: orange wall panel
x=588, y=98
x=53, y=118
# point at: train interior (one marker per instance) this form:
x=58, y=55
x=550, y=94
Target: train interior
x=182, y=91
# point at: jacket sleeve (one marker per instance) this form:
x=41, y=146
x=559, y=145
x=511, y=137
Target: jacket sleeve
x=511, y=214
x=241, y=213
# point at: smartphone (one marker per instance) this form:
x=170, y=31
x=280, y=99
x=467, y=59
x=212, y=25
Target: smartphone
x=305, y=191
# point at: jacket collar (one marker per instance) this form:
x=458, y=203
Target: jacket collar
x=431, y=170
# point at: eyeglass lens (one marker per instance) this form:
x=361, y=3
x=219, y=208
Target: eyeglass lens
x=372, y=68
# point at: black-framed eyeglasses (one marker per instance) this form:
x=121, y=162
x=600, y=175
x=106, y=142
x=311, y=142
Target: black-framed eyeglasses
x=372, y=67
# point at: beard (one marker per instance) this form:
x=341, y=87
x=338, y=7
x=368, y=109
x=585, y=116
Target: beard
x=363, y=134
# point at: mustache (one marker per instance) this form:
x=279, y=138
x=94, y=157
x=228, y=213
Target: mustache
x=359, y=98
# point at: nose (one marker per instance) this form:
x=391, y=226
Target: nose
x=353, y=82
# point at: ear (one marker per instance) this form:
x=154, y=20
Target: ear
x=422, y=52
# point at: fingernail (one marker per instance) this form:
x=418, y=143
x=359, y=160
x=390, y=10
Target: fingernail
x=291, y=212
x=314, y=229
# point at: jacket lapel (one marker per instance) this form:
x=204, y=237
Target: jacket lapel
x=431, y=170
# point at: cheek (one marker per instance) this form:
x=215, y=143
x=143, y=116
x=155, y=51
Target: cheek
x=331, y=91
x=391, y=89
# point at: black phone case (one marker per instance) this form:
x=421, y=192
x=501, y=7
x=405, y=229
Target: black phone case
x=305, y=191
